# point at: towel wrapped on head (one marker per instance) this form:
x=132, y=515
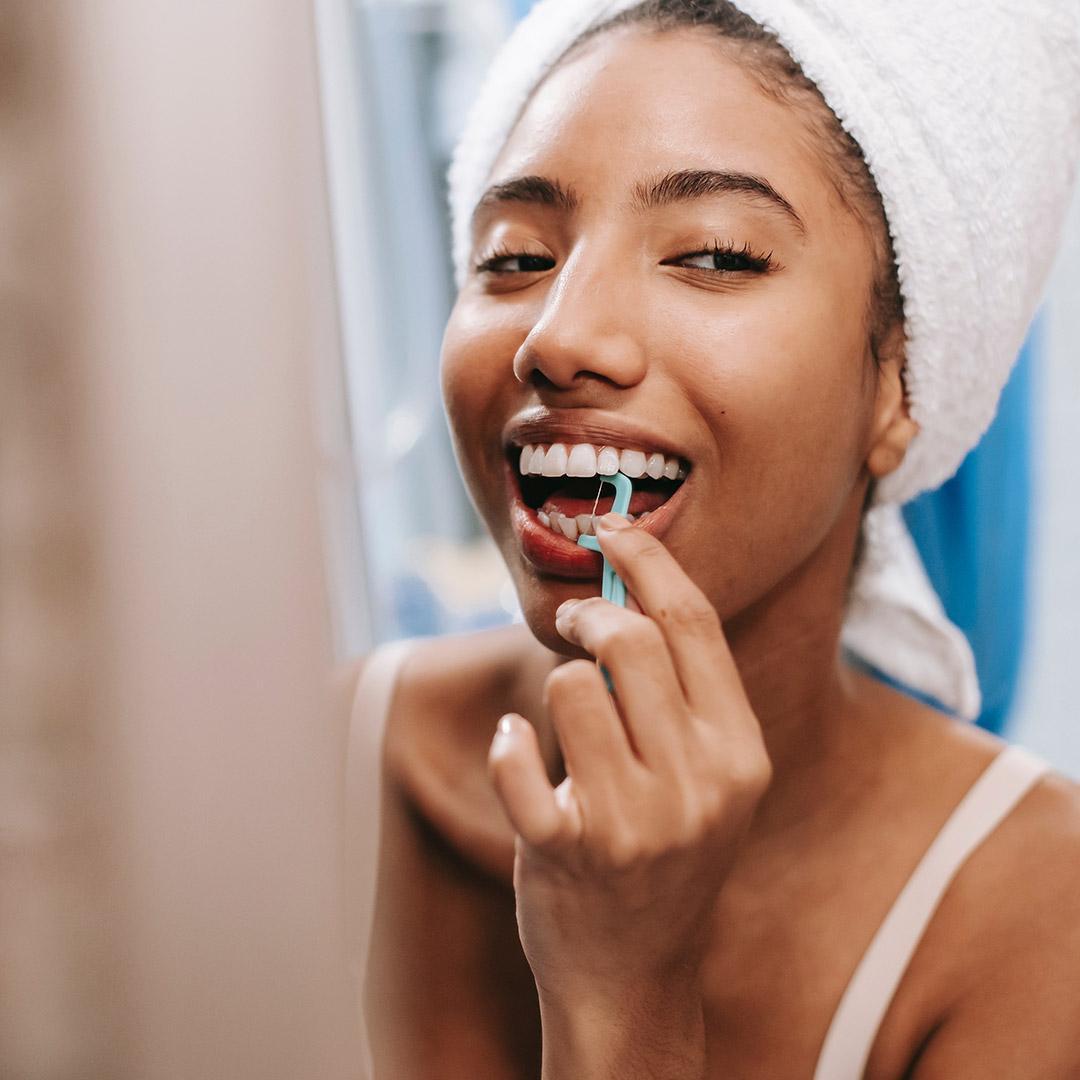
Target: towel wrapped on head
x=968, y=116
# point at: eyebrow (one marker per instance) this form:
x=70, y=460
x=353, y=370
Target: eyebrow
x=685, y=185
x=538, y=190
x=689, y=184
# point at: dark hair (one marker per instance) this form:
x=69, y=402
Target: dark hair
x=782, y=77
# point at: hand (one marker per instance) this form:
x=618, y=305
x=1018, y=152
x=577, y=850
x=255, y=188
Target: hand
x=618, y=868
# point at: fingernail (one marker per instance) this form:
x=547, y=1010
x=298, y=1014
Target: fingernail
x=612, y=521
x=505, y=727
x=564, y=608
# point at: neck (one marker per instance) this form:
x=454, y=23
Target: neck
x=806, y=699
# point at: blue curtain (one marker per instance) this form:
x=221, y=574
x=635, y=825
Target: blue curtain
x=974, y=534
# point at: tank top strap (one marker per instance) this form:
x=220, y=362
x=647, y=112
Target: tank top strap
x=363, y=800
x=866, y=999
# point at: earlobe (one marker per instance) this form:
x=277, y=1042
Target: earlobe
x=894, y=427
x=889, y=449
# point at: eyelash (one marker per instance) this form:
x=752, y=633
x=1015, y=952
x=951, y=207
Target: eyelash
x=487, y=265
x=756, y=263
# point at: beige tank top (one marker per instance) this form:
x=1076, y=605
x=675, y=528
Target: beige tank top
x=862, y=1008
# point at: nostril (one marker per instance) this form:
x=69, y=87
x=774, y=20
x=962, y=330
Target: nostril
x=569, y=357
x=584, y=380
x=540, y=381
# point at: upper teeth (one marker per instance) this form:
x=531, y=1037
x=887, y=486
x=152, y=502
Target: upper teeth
x=584, y=459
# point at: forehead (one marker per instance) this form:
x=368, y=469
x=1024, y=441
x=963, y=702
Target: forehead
x=635, y=101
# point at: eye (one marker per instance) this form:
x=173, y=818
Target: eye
x=723, y=258
x=513, y=262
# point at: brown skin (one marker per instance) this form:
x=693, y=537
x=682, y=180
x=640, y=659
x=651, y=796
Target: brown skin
x=697, y=873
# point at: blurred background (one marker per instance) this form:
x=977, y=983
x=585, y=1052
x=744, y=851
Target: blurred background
x=224, y=471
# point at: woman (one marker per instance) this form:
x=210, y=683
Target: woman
x=754, y=860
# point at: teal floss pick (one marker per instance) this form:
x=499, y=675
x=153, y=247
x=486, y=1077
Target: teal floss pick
x=611, y=585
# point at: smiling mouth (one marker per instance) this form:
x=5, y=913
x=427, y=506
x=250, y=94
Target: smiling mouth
x=562, y=482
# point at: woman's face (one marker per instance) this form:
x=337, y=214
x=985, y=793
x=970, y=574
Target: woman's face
x=665, y=267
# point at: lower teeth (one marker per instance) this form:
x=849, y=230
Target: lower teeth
x=573, y=527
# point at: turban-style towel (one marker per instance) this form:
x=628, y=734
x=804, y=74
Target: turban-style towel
x=968, y=114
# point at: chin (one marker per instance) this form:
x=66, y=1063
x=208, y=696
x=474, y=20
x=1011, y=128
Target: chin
x=539, y=599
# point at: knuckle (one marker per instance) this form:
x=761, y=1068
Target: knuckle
x=568, y=678
x=622, y=851
x=553, y=843
x=632, y=634
x=584, y=608
x=750, y=773
x=543, y=848
x=728, y=778
x=711, y=806
x=702, y=812
x=695, y=616
x=697, y=833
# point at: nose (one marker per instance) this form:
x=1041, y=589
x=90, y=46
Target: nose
x=584, y=333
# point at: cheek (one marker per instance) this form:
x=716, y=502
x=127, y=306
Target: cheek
x=790, y=404
x=787, y=378
x=458, y=378
x=810, y=397
x=465, y=373
x=477, y=381
x=476, y=362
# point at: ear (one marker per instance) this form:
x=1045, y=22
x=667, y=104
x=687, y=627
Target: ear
x=893, y=427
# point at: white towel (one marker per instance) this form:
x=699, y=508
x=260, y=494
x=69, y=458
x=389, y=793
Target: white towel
x=968, y=113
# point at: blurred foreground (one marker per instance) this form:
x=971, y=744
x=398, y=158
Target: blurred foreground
x=169, y=766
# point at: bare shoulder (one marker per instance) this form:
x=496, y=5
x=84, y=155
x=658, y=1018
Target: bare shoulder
x=993, y=988
x=1029, y=865
x=1030, y=871
x=448, y=989
x=435, y=676
x=450, y=689
x=449, y=695
x=1012, y=917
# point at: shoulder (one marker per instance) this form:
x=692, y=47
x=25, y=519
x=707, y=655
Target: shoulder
x=446, y=687
x=439, y=718
x=448, y=990
x=993, y=989
x=1031, y=869
x=1029, y=864
x=421, y=678
x=1013, y=913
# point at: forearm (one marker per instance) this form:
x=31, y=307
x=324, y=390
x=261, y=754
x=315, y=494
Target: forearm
x=657, y=1036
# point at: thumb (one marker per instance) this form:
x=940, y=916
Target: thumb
x=516, y=768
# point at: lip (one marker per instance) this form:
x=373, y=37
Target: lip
x=558, y=556
x=540, y=424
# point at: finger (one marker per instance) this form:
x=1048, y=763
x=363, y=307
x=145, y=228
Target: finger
x=688, y=621
x=633, y=650
x=517, y=772
x=595, y=744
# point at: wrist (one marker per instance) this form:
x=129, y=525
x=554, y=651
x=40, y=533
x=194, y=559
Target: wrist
x=651, y=1033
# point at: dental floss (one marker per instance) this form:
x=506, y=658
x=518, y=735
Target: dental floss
x=611, y=585
x=596, y=501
